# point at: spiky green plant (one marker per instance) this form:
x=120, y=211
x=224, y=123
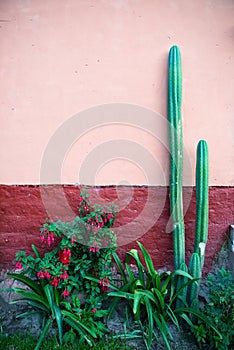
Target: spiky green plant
x=176, y=172
x=176, y=153
x=202, y=200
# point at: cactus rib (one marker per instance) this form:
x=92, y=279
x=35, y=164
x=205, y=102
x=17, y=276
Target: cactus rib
x=176, y=153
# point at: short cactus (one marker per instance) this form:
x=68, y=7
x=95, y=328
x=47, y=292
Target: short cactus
x=195, y=271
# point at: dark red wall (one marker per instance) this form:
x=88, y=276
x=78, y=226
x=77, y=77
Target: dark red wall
x=24, y=209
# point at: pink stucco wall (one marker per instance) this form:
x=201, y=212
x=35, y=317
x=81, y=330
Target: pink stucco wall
x=59, y=58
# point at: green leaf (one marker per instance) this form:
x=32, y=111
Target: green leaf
x=200, y=316
x=28, y=296
x=130, y=273
x=33, y=303
x=77, y=324
x=162, y=331
x=96, y=279
x=148, y=260
x=137, y=298
x=173, y=317
x=36, y=251
x=27, y=281
x=43, y=334
x=160, y=298
x=183, y=273
x=59, y=320
x=120, y=267
x=150, y=319
x=122, y=295
x=27, y=314
x=50, y=297
x=134, y=253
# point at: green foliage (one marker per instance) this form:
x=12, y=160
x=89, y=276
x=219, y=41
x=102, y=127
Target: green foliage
x=152, y=296
x=220, y=311
x=58, y=280
x=28, y=342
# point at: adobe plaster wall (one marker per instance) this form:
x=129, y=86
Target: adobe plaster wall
x=83, y=94
x=61, y=58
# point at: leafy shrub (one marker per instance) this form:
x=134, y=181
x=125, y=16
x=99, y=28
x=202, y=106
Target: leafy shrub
x=59, y=289
x=152, y=296
x=219, y=310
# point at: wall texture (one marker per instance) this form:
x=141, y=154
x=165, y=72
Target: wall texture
x=59, y=58
x=144, y=216
x=83, y=94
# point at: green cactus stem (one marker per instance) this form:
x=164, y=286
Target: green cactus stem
x=195, y=271
x=181, y=281
x=202, y=200
x=176, y=153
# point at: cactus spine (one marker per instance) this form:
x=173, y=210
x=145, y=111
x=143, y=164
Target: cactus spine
x=176, y=170
x=176, y=154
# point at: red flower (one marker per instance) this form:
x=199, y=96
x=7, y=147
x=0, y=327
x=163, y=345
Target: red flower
x=47, y=274
x=94, y=310
x=18, y=265
x=66, y=293
x=64, y=275
x=55, y=281
x=43, y=239
x=40, y=274
x=64, y=256
x=104, y=283
x=95, y=248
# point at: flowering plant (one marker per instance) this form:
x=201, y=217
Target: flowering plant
x=78, y=249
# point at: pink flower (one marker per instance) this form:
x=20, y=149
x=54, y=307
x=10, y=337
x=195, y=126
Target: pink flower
x=66, y=293
x=55, y=281
x=64, y=275
x=42, y=238
x=104, y=283
x=94, y=310
x=47, y=274
x=40, y=274
x=18, y=265
x=94, y=248
x=52, y=237
x=72, y=240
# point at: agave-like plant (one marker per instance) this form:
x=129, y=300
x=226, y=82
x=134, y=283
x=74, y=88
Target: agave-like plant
x=153, y=296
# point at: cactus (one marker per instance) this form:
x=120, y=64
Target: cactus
x=176, y=189
x=181, y=281
x=195, y=271
x=176, y=154
x=201, y=228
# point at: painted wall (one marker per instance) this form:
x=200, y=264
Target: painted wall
x=60, y=58
x=144, y=215
x=83, y=91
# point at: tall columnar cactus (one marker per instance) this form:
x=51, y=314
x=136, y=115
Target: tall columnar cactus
x=176, y=170
x=202, y=201
x=176, y=153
